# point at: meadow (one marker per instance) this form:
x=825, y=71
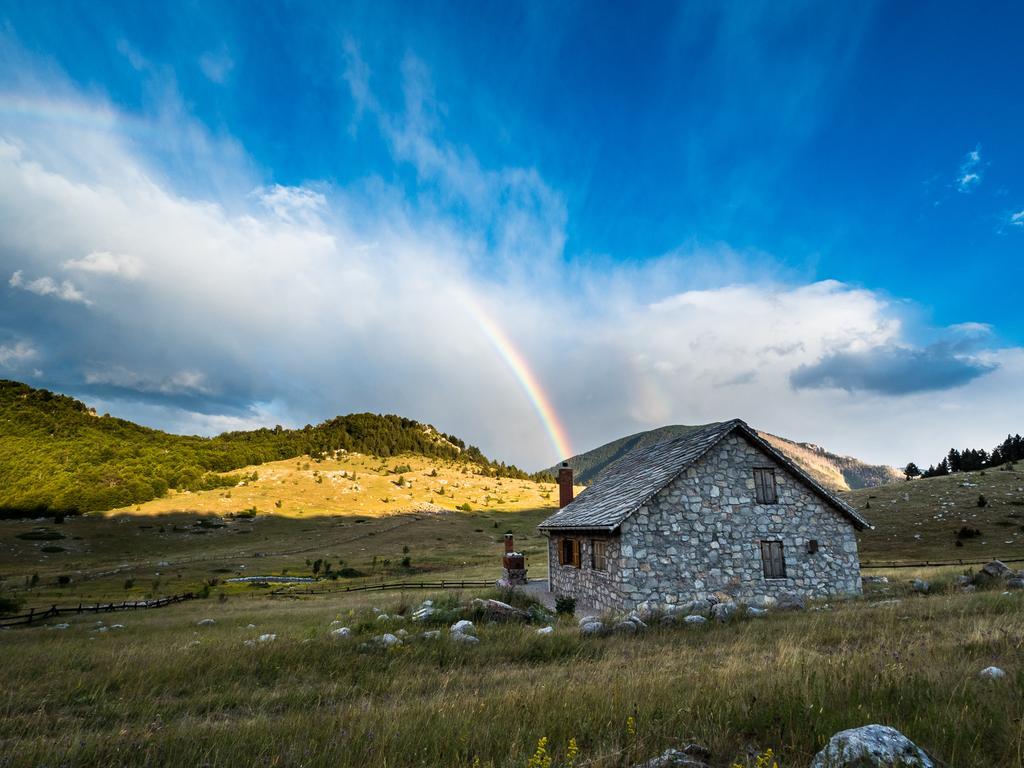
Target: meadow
x=165, y=691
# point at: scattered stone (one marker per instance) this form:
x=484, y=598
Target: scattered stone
x=383, y=617
x=117, y=626
x=459, y=637
x=497, y=610
x=1015, y=582
x=267, y=638
x=341, y=633
x=791, y=603
x=546, y=631
x=60, y=626
x=102, y=629
x=996, y=569
x=875, y=579
x=402, y=633
x=763, y=601
x=205, y=623
x=921, y=586
x=690, y=756
x=871, y=746
x=992, y=673
x=387, y=640
x=594, y=627
x=251, y=626
x=723, y=611
x=192, y=643
x=625, y=628
x=335, y=623
x=756, y=612
x=589, y=620
x=433, y=634
x=427, y=604
x=463, y=627
x=695, y=619
x=423, y=613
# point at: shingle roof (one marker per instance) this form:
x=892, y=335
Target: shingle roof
x=631, y=481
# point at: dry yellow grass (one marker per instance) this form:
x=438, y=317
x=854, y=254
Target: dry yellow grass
x=357, y=484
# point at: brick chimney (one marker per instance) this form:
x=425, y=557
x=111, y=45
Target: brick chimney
x=564, y=484
x=509, y=544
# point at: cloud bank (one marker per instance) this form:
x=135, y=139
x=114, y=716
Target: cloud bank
x=239, y=301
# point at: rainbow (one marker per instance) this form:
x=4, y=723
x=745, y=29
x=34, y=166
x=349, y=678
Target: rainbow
x=524, y=375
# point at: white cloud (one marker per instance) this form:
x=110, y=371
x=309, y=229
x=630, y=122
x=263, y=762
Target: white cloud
x=216, y=65
x=1017, y=219
x=970, y=173
x=106, y=263
x=177, y=383
x=47, y=286
x=13, y=355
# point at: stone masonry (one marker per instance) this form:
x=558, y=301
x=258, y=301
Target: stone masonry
x=702, y=534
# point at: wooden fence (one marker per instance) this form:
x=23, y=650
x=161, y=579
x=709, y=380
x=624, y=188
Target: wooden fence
x=285, y=592
x=54, y=611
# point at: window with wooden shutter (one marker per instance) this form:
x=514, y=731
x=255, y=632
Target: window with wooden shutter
x=773, y=560
x=569, y=553
x=764, y=486
x=599, y=555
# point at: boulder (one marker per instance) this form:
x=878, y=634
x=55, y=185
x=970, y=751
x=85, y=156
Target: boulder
x=589, y=620
x=756, y=612
x=497, y=610
x=205, y=623
x=992, y=673
x=695, y=620
x=459, y=637
x=463, y=627
x=871, y=746
x=921, y=586
x=387, y=640
x=690, y=756
x=546, y=631
x=762, y=601
x=1015, y=582
x=791, y=603
x=423, y=613
x=341, y=633
x=996, y=569
x=723, y=611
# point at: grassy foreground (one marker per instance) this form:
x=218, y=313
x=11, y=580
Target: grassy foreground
x=166, y=692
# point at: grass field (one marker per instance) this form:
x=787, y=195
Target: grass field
x=166, y=692
x=147, y=695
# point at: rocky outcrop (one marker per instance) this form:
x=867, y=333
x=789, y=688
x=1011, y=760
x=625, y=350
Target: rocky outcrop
x=871, y=746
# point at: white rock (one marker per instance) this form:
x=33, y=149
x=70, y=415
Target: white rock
x=60, y=626
x=383, y=617
x=695, y=619
x=251, y=626
x=594, y=627
x=335, y=623
x=267, y=638
x=463, y=627
x=427, y=604
x=871, y=746
x=546, y=631
x=205, y=623
x=117, y=626
x=249, y=642
x=422, y=614
x=388, y=640
x=756, y=612
x=992, y=673
x=432, y=634
x=459, y=637
x=341, y=633
x=102, y=629
x=402, y=633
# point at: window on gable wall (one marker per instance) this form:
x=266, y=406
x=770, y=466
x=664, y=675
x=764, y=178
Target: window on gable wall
x=764, y=486
x=599, y=555
x=569, y=553
x=773, y=560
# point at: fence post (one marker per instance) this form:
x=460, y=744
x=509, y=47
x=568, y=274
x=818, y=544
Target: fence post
x=31, y=611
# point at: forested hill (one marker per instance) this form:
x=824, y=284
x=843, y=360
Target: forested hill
x=57, y=455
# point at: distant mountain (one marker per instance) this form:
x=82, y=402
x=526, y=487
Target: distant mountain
x=58, y=455
x=840, y=473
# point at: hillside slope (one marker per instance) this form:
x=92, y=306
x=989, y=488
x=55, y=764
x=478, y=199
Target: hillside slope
x=57, y=455
x=840, y=473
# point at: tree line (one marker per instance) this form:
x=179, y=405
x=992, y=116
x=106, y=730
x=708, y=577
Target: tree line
x=971, y=459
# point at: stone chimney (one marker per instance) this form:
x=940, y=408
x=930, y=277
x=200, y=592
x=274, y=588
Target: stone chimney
x=564, y=484
x=513, y=572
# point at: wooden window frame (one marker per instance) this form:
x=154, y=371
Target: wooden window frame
x=599, y=562
x=569, y=552
x=773, y=560
x=765, y=492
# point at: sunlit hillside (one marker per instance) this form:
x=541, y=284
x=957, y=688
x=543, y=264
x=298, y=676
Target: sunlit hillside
x=356, y=484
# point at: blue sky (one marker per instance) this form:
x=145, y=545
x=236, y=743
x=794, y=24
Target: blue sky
x=609, y=181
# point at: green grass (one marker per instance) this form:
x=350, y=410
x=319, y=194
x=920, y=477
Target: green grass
x=144, y=696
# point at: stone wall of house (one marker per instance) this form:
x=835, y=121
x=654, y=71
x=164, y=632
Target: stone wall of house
x=592, y=589
x=702, y=533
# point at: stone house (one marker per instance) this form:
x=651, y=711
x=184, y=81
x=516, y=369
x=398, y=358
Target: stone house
x=715, y=510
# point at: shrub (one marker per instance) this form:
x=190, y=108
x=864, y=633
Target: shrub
x=565, y=605
x=982, y=501
x=464, y=507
